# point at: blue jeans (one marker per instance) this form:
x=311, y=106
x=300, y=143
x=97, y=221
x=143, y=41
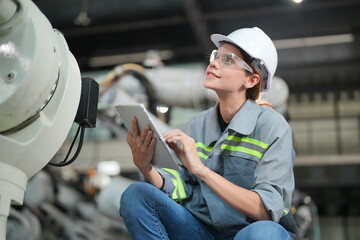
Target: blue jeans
x=149, y=213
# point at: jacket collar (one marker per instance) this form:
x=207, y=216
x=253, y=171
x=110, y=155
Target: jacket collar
x=213, y=131
x=243, y=122
x=245, y=119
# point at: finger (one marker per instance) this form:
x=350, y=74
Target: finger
x=143, y=134
x=129, y=137
x=174, y=139
x=174, y=147
x=148, y=138
x=165, y=135
x=172, y=133
x=152, y=143
x=134, y=126
x=169, y=135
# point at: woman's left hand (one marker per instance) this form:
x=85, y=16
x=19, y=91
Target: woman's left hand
x=187, y=152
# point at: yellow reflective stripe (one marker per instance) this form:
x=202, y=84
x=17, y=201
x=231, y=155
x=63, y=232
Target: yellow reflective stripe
x=203, y=146
x=174, y=193
x=286, y=212
x=202, y=155
x=249, y=140
x=179, y=186
x=242, y=149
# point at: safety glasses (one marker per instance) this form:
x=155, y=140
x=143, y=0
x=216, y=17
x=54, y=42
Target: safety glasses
x=230, y=60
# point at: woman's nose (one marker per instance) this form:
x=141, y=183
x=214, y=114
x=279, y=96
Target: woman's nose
x=215, y=63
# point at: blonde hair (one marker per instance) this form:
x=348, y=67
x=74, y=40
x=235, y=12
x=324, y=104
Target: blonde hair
x=255, y=93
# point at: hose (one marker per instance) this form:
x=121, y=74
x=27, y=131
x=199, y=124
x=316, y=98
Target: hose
x=136, y=71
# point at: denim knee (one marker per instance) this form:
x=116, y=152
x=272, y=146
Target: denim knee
x=132, y=197
x=263, y=230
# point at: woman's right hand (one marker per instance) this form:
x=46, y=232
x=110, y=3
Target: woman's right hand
x=141, y=145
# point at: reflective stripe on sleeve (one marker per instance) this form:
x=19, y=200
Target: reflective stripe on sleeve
x=179, y=190
x=285, y=212
x=203, y=146
x=202, y=155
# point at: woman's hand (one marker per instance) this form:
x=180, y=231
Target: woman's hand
x=187, y=152
x=142, y=146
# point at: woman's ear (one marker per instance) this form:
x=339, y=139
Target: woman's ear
x=252, y=80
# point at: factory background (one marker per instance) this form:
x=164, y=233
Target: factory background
x=153, y=51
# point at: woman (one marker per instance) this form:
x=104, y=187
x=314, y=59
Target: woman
x=237, y=178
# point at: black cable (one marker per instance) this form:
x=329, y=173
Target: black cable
x=65, y=162
x=72, y=145
x=149, y=89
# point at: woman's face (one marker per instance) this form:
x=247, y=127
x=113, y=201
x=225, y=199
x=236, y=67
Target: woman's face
x=222, y=78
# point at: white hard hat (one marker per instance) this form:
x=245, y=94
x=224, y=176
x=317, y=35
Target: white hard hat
x=259, y=48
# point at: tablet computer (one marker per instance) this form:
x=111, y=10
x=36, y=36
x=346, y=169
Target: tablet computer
x=163, y=157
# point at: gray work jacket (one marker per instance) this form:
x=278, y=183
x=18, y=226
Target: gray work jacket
x=255, y=152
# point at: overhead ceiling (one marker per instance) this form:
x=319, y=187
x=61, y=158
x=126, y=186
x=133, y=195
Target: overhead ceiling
x=181, y=28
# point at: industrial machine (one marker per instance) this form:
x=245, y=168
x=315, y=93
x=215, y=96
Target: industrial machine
x=40, y=91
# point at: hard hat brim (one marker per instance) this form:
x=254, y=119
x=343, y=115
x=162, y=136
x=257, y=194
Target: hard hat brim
x=218, y=38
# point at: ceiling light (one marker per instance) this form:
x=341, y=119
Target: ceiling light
x=313, y=41
x=83, y=19
x=297, y=1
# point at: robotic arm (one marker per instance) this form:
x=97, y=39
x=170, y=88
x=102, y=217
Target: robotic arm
x=40, y=88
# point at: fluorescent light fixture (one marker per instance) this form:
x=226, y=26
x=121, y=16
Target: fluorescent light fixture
x=313, y=41
x=110, y=168
x=297, y=1
x=126, y=58
x=162, y=109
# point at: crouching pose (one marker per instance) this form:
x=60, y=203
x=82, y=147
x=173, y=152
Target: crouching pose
x=237, y=177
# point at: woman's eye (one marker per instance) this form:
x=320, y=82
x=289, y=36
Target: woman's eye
x=228, y=60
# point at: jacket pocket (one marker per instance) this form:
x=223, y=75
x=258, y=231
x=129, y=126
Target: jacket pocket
x=239, y=169
x=239, y=163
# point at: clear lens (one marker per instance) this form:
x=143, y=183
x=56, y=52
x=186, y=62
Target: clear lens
x=230, y=60
x=213, y=56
